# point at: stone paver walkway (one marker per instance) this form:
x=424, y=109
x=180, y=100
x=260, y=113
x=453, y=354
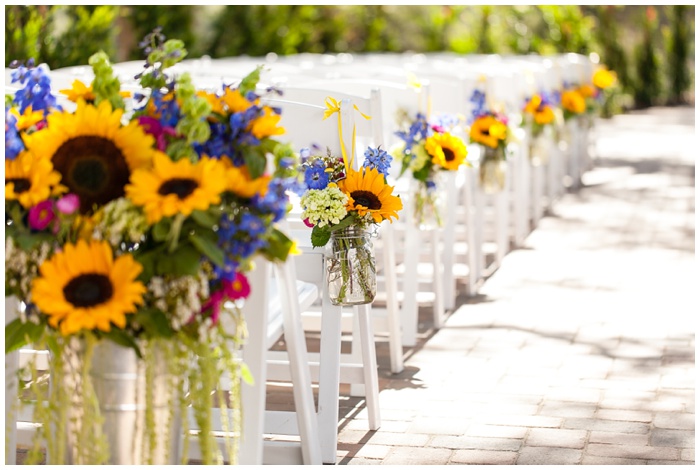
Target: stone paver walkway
x=581, y=347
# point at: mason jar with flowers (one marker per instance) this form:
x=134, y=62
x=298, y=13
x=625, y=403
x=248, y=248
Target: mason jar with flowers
x=124, y=240
x=429, y=150
x=343, y=206
x=490, y=130
x=540, y=115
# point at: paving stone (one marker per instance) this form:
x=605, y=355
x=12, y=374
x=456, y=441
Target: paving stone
x=567, y=409
x=486, y=430
x=413, y=456
x=632, y=452
x=483, y=457
x=548, y=456
x=606, y=425
x=688, y=454
x=600, y=437
x=399, y=439
x=598, y=460
x=425, y=425
x=672, y=438
x=482, y=443
x=674, y=420
x=519, y=420
x=624, y=415
x=668, y=462
x=569, y=438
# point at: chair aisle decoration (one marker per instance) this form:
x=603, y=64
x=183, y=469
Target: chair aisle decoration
x=428, y=150
x=125, y=235
x=342, y=205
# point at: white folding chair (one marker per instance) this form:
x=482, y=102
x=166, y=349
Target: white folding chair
x=304, y=125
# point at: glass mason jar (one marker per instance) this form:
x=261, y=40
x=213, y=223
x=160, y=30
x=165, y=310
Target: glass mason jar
x=492, y=169
x=352, y=276
x=539, y=150
x=429, y=202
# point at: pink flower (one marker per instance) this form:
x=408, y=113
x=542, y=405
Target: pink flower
x=239, y=288
x=307, y=223
x=41, y=215
x=68, y=204
x=156, y=129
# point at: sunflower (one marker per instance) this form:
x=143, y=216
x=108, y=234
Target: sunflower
x=79, y=91
x=85, y=287
x=447, y=150
x=573, y=101
x=31, y=179
x=368, y=193
x=603, y=78
x=266, y=125
x=238, y=181
x=28, y=119
x=176, y=187
x=235, y=102
x=487, y=130
x=92, y=151
x=217, y=106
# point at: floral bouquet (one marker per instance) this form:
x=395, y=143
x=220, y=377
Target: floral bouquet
x=427, y=149
x=605, y=82
x=342, y=204
x=540, y=115
x=129, y=236
x=573, y=100
x=490, y=130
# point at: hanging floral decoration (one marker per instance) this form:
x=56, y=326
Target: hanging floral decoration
x=137, y=229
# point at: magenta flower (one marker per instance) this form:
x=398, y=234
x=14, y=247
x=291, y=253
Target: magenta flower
x=156, y=129
x=239, y=288
x=41, y=215
x=68, y=204
x=307, y=223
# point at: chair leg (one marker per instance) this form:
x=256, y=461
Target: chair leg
x=299, y=365
x=253, y=397
x=438, y=286
x=369, y=360
x=392, y=301
x=11, y=387
x=329, y=378
x=448, y=243
x=409, y=308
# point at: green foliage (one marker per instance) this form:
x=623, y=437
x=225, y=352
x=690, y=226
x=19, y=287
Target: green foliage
x=106, y=85
x=648, y=85
x=27, y=29
x=177, y=21
x=679, y=71
x=89, y=28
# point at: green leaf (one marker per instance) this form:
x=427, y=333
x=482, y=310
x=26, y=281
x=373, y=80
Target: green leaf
x=209, y=249
x=255, y=161
x=155, y=322
x=161, y=229
x=122, y=338
x=18, y=334
x=28, y=241
x=320, y=236
x=250, y=81
x=246, y=375
x=181, y=262
x=148, y=260
x=206, y=219
x=278, y=246
x=346, y=222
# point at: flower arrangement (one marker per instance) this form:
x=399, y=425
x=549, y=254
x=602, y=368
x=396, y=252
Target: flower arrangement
x=540, y=114
x=137, y=230
x=341, y=204
x=427, y=149
x=573, y=101
x=489, y=129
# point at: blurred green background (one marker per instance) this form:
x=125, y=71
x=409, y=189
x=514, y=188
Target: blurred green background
x=651, y=48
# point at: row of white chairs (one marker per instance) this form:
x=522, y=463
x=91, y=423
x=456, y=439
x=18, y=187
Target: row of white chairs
x=478, y=234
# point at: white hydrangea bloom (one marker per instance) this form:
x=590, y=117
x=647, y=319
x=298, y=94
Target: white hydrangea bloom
x=324, y=206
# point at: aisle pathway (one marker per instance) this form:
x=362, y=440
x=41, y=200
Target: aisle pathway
x=580, y=348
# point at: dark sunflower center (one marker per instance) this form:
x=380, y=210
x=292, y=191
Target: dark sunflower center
x=20, y=184
x=88, y=290
x=181, y=187
x=449, y=154
x=93, y=168
x=485, y=132
x=366, y=199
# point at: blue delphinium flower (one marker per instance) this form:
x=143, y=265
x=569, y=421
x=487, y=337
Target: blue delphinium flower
x=315, y=175
x=13, y=142
x=377, y=158
x=478, y=98
x=275, y=201
x=36, y=91
x=418, y=131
